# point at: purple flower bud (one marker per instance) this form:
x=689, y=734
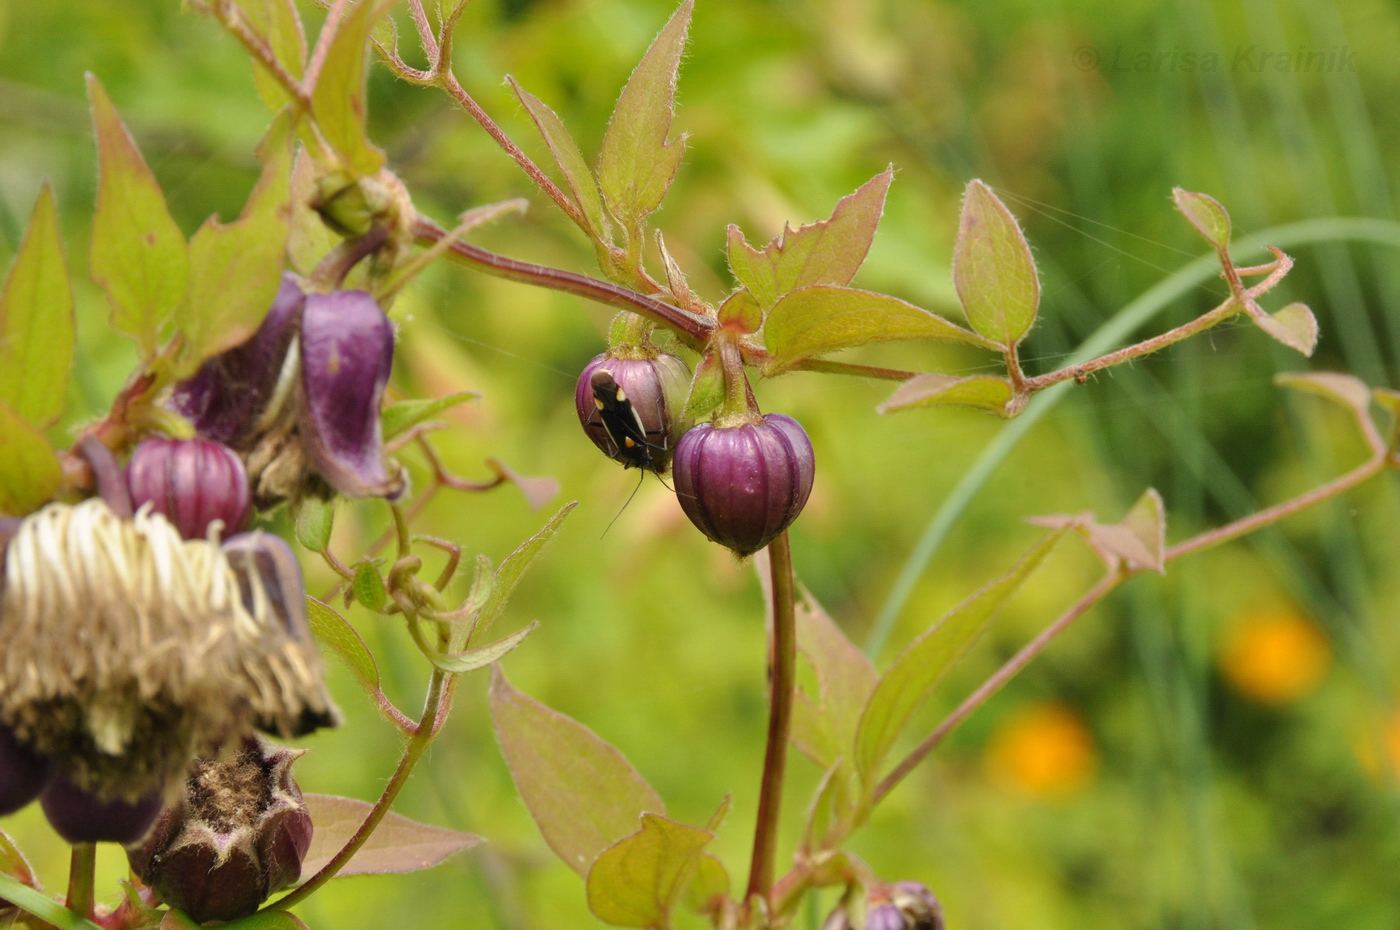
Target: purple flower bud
x=23, y=774
x=226, y=398
x=79, y=817
x=631, y=408
x=919, y=905
x=238, y=833
x=192, y=482
x=742, y=486
x=884, y=917
x=347, y=351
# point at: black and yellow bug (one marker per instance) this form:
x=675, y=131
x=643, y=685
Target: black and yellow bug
x=632, y=444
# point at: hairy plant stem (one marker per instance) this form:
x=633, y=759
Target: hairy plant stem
x=782, y=683
x=82, y=872
x=439, y=687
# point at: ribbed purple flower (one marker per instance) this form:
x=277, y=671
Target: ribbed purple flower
x=742, y=486
x=301, y=398
x=193, y=482
x=81, y=817
x=631, y=408
x=23, y=774
x=237, y=833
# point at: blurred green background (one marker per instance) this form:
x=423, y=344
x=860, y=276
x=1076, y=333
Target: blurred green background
x=1213, y=749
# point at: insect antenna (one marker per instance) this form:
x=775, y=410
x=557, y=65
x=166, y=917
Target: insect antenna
x=641, y=476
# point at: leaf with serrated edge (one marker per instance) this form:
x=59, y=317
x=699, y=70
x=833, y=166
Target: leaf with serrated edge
x=741, y=311
x=277, y=22
x=984, y=392
x=235, y=270
x=830, y=251
x=567, y=156
x=823, y=318
x=1206, y=214
x=398, y=844
x=401, y=417
x=1294, y=326
x=266, y=920
x=1343, y=389
x=926, y=660
x=137, y=253
x=341, y=638
x=513, y=569
x=582, y=793
x=36, y=321
x=636, y=881
x=30, y=473
x=845, y=679
x=993, y=270
x=473, y=659
x=637, y=163
x=339, y=98
x=706, y=388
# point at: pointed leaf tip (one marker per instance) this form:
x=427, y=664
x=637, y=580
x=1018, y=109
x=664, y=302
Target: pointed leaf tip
x=993, y=269
x=1294, y=326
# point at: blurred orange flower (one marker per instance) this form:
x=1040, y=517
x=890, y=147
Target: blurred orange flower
x=1275, y=658
x=1043, y=749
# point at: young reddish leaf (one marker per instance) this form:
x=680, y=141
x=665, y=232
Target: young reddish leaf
x=513, y=569
x=265, y=920
x=314, y=519
x=397, y=845
x=1137, y=541
x=339, y=98
x=984, y=392
x=740, y=310
x=927, y=659
x=827, y=252
x=538, y=490
x=1346, y=390
x=36, y=321
x=1294, y=326
x=709, y=889
x=675, y=277
x=706, y=388
x=583, y=794
x=823, y=318
x=400, y=417
x=137, y=254
x=636, y=881
x=235, y=270
x=1147, y=521
x=13, y=863
x=280, y=27
x=824, y=725
x=993, y=270
x=637, y=163
x=309, y=238
x=568, y=157
x=1206, y=214
x=30, y=473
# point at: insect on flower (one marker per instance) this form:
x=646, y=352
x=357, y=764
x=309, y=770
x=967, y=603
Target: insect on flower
x=630, y=408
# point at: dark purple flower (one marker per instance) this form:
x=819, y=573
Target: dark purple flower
x=632, y=408
x=920, y=906
x=192, y=482
x=237, y=833
x=23, y=774
x=79, y=817
x=742, y=486
x=347, y=351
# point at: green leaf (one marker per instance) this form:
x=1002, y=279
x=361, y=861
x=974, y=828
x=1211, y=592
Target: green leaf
x=984, y=392
x=927, y=659
x=675, y=277
x=12, y=861
x=280, y=27
x=137, y=254
x=401, y=417
x=309, y=238
x=341, y=638
x=235, y=270
x=709, y=889
x=339, y=100
x=822, y=318
x=824, y=725
x=368, y=586
x=1388, y=399
x=30, y=473
x=472, y=659
x=582, y=793
x=827, y=252
x=1138, y=541
x=831, y=802
x=706, y=388
x=41, y=905
x=267, y=920
x=1206, y=214
x=513, y=569
x=1348, y=391
x=741, y=311
x=36, y=321
x=568, y=157
x=1294, y=326
x=636, y=881
x=397, y=845
x=314, y=521
x=637, y=163
x=993, y=270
